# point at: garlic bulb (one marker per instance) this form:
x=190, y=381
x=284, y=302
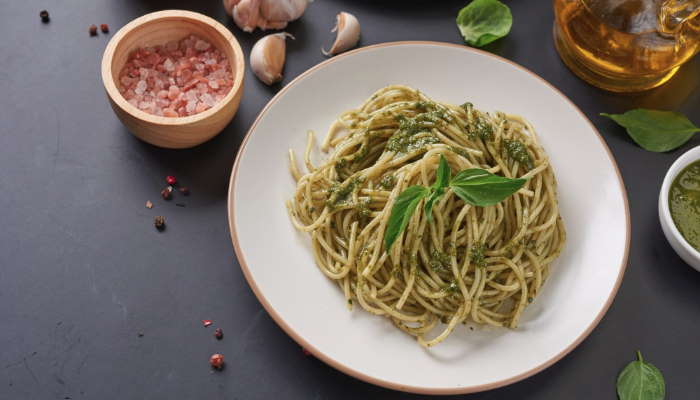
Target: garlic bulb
x=267, y=57
x=348, y=33
x=264, y=14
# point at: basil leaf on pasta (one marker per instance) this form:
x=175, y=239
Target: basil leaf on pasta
x=479, y=187
x=442, y=179
x=442, y=175
x=401, y=212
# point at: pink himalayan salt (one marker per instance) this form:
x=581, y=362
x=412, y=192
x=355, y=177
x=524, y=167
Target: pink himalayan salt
x=178, y=79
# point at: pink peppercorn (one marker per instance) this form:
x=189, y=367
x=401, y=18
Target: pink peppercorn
x=170, y=180
x=216, y=361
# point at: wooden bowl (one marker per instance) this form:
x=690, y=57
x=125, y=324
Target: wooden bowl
x=159, y=28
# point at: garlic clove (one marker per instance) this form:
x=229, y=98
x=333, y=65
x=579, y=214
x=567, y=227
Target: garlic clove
x=267, y=57
x=348, y=33
x=246, y=14
x=282, y=10
x=229, y=5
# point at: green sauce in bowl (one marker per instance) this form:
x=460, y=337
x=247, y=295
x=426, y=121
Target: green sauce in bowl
x=684, y=203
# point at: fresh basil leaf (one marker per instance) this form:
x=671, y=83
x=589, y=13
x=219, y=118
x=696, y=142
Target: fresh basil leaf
x=401, y=212
x=442, y=176
x=483, y=21
x=442, y=179
x=656, y=130
x=432, y=198
x=641, y=381
x=479, y=187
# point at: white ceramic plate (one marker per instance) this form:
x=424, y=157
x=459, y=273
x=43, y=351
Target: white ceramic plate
x=279, y=267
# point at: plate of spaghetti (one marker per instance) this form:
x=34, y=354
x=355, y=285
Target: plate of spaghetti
x=451, y=225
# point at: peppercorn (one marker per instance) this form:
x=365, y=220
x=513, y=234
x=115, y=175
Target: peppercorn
x=159, y=222
x=167, y=193
x=216, y=361
x=104, y=28
x=185, y=191
x=44, y=15
x=219, y=334
x=171, y=180
x=93, y=30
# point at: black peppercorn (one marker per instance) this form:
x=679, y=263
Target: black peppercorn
x=93, y=30
x=219, y=334
x=159, y=222
x=44, y=16
x=185, y=190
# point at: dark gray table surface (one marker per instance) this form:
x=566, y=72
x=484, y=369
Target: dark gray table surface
x=82, y=270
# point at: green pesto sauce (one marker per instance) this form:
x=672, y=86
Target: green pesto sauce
x=363, y=209
x=684, y=202
x=414, y=132
x=480, y=129
x=387, y=182
x=518, y=152
x=439, y=261
x=339, y=193
x=477, y=255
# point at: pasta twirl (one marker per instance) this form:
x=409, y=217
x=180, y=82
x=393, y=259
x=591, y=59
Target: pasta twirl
x=468, y=263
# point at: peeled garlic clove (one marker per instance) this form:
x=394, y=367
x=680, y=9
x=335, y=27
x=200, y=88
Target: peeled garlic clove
x=282, y=10
x=267, y=57
x=348, y=28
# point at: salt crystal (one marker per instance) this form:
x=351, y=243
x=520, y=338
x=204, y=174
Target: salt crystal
x=176, y=79
x=201, y=107
x=140, y=87
x=208, y=99
x=126, y=81
x=191, y=105
x=173, y=91
x=201, y=45
x=169, y=65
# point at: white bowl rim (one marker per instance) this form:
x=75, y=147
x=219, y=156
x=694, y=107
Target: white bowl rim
x=681, y=163
x=378, y=381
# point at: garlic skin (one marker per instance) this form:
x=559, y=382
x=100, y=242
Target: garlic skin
x=267, y=57
x=264, y=14
x=348, y=33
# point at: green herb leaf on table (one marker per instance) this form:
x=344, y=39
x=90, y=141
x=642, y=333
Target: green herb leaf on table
x=656, y=130
x=483, y=21
x=479, y=187
x=401, y=213
x=641, y=381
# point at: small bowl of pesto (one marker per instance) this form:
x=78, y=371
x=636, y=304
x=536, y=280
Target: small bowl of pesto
x=679, y=207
